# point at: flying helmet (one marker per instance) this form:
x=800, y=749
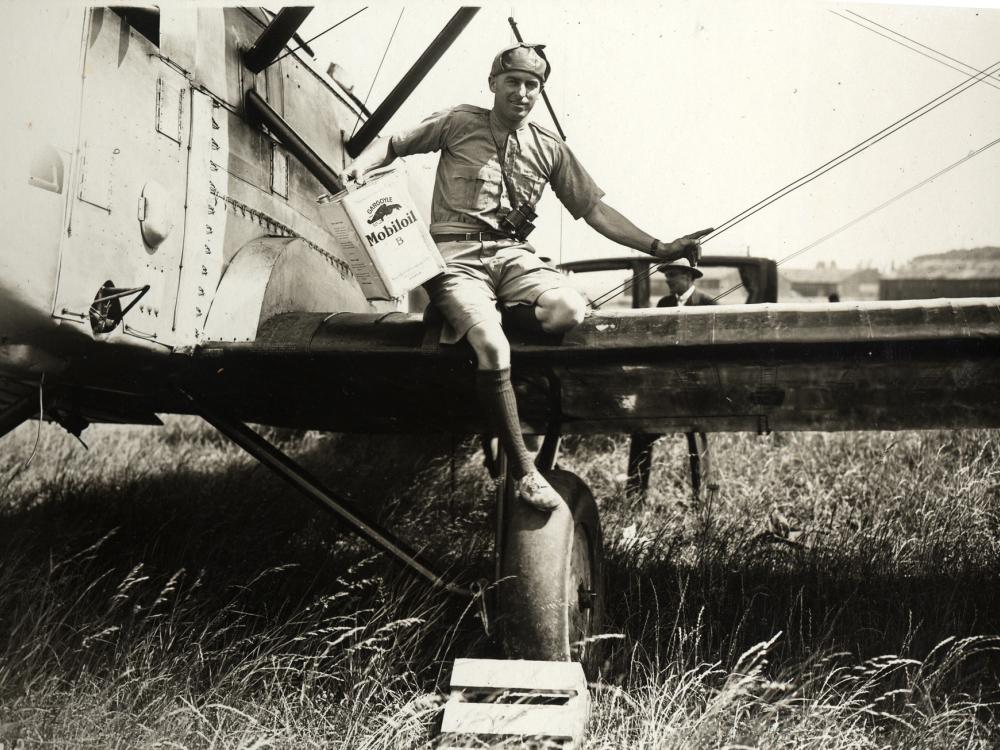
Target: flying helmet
x=528, y=58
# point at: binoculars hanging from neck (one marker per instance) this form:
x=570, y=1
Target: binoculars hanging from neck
x=518, y=221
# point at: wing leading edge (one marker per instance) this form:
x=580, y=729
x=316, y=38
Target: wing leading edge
x=902, y=365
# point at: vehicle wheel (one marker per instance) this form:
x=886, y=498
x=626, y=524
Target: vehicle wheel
x=551, y=593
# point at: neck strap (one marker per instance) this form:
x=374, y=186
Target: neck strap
x=511, y=195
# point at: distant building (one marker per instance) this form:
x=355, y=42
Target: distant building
x=957, y=273
x=819, y=283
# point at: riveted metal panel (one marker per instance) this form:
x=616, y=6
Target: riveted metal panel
x=133, y=131
x=205, y=227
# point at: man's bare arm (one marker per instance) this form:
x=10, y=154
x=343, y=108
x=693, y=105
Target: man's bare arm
x=618, y=228
x=379, y=153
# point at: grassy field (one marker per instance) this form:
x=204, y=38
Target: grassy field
x=160, y=590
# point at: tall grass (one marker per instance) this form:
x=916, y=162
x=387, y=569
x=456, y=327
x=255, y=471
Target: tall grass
x=160, y=590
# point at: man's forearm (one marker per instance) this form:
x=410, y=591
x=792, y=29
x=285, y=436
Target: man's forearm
x=617, y=228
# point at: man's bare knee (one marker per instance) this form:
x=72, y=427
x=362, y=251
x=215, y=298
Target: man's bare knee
x=560, y=310
x=489, y=343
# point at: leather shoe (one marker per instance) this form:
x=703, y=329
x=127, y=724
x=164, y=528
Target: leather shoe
x=535, y=490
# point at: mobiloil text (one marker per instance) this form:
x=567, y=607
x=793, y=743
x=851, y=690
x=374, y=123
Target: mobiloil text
x=361, y=219
x=387, y=230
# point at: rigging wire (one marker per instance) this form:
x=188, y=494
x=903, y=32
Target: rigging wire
x=964, y=65
x=379, y=69
x=306, y=43
x=859, y=147
x=875, y=210
x=805, y=179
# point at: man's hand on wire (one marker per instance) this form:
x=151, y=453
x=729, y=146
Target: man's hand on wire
x=688, y=246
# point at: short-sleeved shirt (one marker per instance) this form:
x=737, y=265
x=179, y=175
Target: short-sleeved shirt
x=469, y=191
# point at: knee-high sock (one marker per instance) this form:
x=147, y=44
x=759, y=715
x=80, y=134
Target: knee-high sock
x=496, y=394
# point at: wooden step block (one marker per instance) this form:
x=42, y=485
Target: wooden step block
x=515, y=703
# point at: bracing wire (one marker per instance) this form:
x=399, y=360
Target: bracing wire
x=964, y=70
x=615, y=291
x=379, y=69
x=822, y=169
x=914, y=49
x=858, y=148
x=309, y=41
x=875, y=210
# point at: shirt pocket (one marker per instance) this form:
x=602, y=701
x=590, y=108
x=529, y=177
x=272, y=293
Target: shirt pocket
x=479, y=187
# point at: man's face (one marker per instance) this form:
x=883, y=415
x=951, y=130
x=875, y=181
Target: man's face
x=678, y=281
x=514, y=94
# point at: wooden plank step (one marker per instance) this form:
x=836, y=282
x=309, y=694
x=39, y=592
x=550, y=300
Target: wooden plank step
x=535, y=704
x=518, y=674
x=522, y=719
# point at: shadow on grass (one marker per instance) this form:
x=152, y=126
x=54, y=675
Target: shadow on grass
x=241, y=550
x=230, y=519
x=252, y=543
x=832, y=605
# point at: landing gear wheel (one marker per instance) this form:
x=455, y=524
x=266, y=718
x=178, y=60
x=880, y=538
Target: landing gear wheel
x=551, y=593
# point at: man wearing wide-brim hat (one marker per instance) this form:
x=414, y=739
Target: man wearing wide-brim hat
x=681, y=275
x=493, y=167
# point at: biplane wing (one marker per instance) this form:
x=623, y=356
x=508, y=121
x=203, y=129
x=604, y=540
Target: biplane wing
x=732, y=368
x=879, y=365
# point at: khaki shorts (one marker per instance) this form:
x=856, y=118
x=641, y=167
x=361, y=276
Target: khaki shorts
x=475, y=284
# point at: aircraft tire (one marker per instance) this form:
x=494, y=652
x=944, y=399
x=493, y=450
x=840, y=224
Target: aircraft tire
x=551, y=593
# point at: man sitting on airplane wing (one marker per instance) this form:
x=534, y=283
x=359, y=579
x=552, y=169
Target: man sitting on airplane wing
x=493, y=167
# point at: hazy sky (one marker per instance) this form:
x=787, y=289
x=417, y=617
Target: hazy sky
x=687, y=112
